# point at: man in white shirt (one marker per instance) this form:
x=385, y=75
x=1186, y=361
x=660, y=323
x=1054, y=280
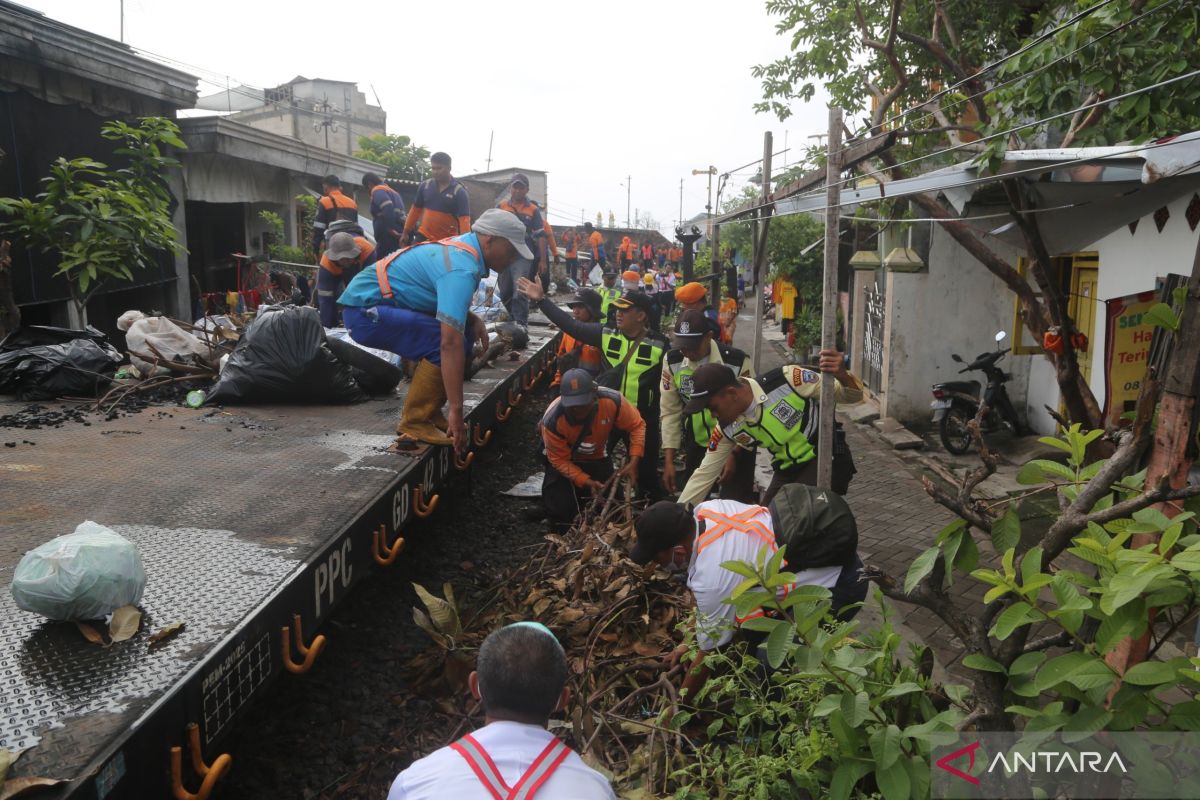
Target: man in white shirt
x=815, y=526
x=521, y=680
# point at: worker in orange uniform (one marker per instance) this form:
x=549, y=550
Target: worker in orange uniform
x=627, y=252
x=572, y=353
x=342, y=260
x=570, y=243
x=694, y=295
x=332, y=206
x=575, y=432
x=441, y=208
x=596, y=242
x=387, y=214
x=727, y=316
x=530, y=214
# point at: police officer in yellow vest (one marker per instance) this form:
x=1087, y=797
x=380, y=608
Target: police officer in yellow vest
x=778, y=412
x=608, y=292
x=695, y=345
x=633, y=354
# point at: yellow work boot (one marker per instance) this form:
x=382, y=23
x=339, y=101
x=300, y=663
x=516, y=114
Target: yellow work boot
x=423, y=406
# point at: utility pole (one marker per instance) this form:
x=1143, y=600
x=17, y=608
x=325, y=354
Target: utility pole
x=760, y=251
x=833, y=193
x=680, y=220
x=122, y=21
x=491, y=138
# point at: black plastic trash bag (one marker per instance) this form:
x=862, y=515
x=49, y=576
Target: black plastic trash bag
x=374, y=375
x=283, y=357
x=41, y=363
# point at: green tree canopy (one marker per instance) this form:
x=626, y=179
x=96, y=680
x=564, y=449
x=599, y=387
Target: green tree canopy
x=929, y=71
x=403, y=159
x=102, y=222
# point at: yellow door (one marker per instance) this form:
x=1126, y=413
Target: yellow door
x=1084, y=280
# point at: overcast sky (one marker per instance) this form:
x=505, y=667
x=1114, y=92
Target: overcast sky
x=590, y=92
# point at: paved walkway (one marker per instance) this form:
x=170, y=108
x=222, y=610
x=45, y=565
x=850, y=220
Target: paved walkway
x=896, y=518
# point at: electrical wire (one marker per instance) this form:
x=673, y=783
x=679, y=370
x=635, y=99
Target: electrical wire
x=1023, y=76
x=1023, y=126
x=1004, y=214
x=992, y=179
x=993, y=65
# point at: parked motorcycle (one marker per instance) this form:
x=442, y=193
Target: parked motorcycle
x=955, y=403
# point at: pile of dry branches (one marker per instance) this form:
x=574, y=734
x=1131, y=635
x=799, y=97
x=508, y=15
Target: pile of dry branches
x=616, y=622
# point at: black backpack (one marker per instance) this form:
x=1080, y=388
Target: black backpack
x=814, y=527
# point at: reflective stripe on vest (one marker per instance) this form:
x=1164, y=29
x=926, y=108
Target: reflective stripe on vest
x=702, y=422
x=783, y=428
x=485, y=769
x=648, y=356
x=717, y=525
x=385, y=287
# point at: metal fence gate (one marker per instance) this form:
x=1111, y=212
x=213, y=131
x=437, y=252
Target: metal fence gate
x=873, y=339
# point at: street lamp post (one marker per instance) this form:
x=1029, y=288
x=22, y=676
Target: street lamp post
x=708, y=207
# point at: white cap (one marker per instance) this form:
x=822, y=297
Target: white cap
x=498, y=222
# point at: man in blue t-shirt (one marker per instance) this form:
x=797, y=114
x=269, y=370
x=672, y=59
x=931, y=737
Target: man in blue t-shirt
x=416, y=302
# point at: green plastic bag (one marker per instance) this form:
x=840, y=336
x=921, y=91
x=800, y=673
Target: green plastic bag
x=83, y=575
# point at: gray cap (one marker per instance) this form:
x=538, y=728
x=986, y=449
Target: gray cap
x=342, y=245
x=577, y=389
x=498, y=222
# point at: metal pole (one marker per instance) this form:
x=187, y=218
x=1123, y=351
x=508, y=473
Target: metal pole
x=833, y=171
x=680, y=220
x=760, y=253
x=628, y=192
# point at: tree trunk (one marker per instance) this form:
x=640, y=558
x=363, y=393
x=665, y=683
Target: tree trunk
x=10, y=314
x=1169, y=460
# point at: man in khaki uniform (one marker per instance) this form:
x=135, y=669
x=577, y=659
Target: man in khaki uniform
x=778, y=412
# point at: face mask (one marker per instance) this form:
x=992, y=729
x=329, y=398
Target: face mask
x=679, y=560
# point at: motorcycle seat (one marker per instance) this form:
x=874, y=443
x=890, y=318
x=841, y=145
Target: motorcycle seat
x=962, y=387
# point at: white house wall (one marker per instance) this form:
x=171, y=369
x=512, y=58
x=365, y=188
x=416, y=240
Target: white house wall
x=1130, y=263
x=955, y=307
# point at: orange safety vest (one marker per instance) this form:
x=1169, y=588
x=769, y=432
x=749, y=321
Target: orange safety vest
x=485, y=768
x=718, y=525
x=385, y=287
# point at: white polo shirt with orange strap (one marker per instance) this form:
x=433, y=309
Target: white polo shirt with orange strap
x=733, y=532
x=502, y=761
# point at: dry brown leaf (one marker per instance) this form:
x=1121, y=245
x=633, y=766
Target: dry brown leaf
x=647, y=649
x=90, y=633
x=20, y=787
x=570, y=614
x=164, y=635
x=608, y=637
x=125, y=623
x=615, y=584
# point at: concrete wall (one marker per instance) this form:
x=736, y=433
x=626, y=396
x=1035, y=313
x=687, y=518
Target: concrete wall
x=955, y=307
x=1130, y=263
